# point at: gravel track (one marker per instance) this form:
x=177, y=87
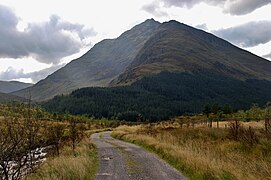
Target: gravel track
x=124, y=161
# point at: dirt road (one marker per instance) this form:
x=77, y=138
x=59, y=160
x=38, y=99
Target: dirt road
x=124, y=161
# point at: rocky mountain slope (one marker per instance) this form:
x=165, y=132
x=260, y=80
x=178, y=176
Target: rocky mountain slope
x=99, y=66
x=181, y=48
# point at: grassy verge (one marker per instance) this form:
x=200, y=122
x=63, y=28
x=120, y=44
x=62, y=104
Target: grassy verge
x=81, y=165
x=90, y=132
x=201, y=153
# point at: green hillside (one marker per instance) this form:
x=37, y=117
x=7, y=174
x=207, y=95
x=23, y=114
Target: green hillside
x=162, y=96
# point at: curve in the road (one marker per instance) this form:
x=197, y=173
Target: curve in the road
x=124, y=161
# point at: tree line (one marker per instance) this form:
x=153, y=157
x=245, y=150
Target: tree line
x=162, y=96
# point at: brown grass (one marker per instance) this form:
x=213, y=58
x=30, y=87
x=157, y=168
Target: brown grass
x=81, y=165
x=202, y=153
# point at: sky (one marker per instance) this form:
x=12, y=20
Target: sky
x=39, y=37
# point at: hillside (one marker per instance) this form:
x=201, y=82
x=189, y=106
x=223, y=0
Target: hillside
x=181, y=48
x=11, y=86
x=162, y=96
x=104, y=62
x=9, y=98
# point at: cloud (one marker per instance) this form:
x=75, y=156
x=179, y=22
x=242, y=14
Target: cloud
x=155, y=9
x=11, y=73
x=202, y=26
x=267, y=55
x=233, y=7
x=8, y=18
x=247, y=35
x=47, y=42
x=189, y=3
x=241, y=7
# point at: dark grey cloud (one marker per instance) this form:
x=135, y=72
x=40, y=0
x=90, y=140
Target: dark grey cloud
x=241, y=7
x=190, y=3
x=233, y=7
x=11, y=73
x=247, y=35
x=47, y=42
x=7, y=17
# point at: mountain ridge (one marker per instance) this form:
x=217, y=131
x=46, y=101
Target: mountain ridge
x=203, y=51
x=100, y=65
x=147, y=49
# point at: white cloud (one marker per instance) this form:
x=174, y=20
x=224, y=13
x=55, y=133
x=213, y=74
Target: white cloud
x=14, y=74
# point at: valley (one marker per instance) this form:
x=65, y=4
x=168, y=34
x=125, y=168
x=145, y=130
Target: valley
x=213, y=144
x=161, y=101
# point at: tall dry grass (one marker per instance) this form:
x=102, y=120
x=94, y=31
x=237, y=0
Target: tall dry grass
x=202, y=153
x=82, y=164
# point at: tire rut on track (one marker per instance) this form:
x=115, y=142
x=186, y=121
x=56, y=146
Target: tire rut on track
x=125, y=161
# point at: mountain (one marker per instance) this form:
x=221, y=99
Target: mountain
x=4, y=97
x=11, y=86
x=150, y=49
x=180, y=48
x=177, y=70
x=98, y=67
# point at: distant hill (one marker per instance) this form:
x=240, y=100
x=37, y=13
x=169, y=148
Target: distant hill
x=98, y=67
x=11, y=86
x=9, y=98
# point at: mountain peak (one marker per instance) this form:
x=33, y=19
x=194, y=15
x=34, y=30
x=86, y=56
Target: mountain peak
x=150, y=22
x=99, y=66
x=178, y=47
x=176, y=24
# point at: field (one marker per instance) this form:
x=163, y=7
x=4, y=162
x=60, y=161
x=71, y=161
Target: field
x=205, y=146
x=206, y=153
